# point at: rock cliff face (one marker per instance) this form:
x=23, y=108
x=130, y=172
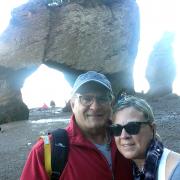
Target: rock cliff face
x=76, y=36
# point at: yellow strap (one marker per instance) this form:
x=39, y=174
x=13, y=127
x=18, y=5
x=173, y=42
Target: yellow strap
x=47, y=154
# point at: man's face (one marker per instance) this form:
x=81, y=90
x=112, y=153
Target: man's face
x=91, y=106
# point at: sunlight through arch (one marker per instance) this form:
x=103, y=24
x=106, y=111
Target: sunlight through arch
x=44, y=85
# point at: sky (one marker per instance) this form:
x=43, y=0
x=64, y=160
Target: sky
x=5, y=11
x=156, y=17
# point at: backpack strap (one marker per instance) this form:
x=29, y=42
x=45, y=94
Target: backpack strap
x=47, y=154
x=59, y=152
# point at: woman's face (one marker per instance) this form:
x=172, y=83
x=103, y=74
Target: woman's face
x=133, y=146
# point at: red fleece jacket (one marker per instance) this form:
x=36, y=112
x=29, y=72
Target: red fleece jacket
x=85, y=161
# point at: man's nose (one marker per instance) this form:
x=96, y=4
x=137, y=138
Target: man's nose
x=124, y=134
x=94, y=104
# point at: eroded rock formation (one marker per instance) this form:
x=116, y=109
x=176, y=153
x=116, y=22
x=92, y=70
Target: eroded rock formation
x=12, y=107
x=77, y=36
x=161, y=69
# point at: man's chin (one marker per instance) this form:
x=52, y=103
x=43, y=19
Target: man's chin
x=97, y=125
x=96, y=119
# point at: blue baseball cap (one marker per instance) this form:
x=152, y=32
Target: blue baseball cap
x=91, y=76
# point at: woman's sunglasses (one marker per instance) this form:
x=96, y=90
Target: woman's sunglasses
x=132, y=128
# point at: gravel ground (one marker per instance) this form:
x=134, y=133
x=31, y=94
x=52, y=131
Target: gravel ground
x=17, y=138
x=167, y=117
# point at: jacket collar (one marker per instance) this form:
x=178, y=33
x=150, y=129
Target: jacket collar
x=76, y=135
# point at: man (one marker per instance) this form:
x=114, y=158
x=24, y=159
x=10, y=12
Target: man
x=92, y=151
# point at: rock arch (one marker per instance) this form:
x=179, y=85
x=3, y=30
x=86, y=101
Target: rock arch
x=75, y=37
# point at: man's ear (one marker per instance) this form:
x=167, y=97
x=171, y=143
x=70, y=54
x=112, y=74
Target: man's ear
x=72, y=102
x=113, y=101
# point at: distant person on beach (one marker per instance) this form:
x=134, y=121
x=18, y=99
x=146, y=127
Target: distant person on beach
x=92, y=151
x=135, y=136
x=52, y=104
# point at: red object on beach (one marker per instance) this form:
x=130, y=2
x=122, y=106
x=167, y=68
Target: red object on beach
x=44, y=107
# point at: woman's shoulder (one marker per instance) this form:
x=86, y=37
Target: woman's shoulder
x=175, y=155
x=175, y=174
x=173, y=164
x=173, y=158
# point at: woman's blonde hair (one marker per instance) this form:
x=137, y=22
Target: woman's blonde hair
x=136, y=102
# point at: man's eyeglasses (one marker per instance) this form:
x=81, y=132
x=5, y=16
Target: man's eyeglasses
x=132, y=128
x=87, y=100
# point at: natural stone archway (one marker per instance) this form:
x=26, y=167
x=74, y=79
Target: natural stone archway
x=78, y=36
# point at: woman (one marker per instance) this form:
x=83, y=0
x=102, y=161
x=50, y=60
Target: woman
x=135, y=135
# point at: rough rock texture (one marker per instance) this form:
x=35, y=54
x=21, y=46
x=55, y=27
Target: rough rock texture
x=161, y=69
x=12, y=107
x=77, y=36
x=82, y=35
